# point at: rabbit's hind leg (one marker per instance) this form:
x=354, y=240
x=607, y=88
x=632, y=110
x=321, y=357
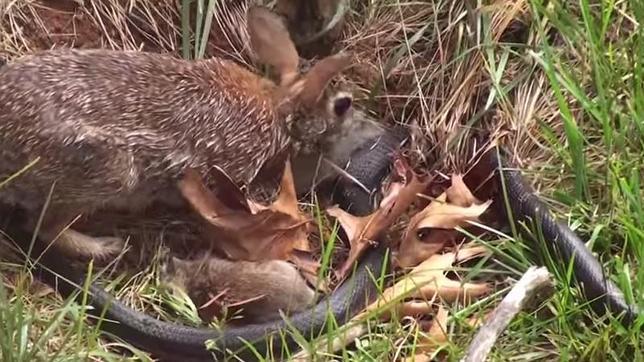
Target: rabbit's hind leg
x=55, y=228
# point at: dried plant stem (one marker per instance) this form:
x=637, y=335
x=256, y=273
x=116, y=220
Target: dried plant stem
x=534, y=281
x=338, y=342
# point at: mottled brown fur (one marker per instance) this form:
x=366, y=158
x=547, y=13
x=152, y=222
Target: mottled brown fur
x=117, y=128
x=265, y=287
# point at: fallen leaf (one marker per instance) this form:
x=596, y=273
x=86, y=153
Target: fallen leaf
x=447, y=216
x=309, y=269
x=419, y=292
x=459, y=194
x=358, y=231
x=476, y=320
x=286, y=203
x=427, y=281
x=252, y=232
x=433, y=338
x=420, y=357
x=429, y=230
x=227, y=191
x=362, y=230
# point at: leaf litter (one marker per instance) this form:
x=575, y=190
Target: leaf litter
x=256, y=232
x=249, y=231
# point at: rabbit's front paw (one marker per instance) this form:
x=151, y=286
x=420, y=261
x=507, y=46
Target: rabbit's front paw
x=83, y=246
x=111, y=246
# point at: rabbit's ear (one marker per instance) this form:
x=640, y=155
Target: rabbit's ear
x=272, y=43
x=179, y=265
x=168, y=266
x=310, y=88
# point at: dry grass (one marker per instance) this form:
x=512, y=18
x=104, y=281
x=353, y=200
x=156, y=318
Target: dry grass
x=433, y=75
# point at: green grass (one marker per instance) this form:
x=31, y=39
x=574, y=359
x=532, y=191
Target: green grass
x=201, y=25
x=574, y=84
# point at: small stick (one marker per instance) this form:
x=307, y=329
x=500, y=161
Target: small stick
x=524, y=291
x=340, y=341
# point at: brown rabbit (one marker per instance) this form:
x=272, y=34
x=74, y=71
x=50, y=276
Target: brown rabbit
x=259, y=289
x=118, y=128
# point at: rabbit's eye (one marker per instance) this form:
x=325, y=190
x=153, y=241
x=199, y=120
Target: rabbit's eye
x=341, y=105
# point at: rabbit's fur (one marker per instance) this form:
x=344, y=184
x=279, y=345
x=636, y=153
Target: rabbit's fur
x=118, y=128
x=259, y=289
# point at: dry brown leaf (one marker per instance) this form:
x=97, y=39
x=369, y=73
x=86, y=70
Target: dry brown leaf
x=459, y=194
x=424, y=285
x=364, y=229
x=286, y=203
x=420, y=357
x=429, y=230
x=309, y=269
x=227, y=191
x=249, y=233
x=358, y=231
x=433, y=338
x=427, y=281
x=476, y=320
x=415, y=308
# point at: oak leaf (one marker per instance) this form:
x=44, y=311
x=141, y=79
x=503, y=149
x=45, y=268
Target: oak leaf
x=429, y=230
x=309, y=268
x=362, y=230
x=245, y=230
x=286, y=203
x=432, y=338
x=421, y=290
x=459, y=194
x=427, y=282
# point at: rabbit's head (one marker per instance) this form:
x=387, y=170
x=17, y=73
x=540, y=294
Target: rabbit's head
x=310, y=107
x=172, y=271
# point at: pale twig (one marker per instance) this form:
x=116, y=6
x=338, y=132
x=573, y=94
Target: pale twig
x=536, y=282
x=338, y=342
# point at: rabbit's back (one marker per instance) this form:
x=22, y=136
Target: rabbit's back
x=103, y=122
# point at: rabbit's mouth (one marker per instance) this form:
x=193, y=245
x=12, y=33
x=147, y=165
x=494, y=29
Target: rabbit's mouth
x=307, y=132
x=318, y=129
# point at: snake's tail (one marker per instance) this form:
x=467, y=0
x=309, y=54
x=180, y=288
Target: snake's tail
x=526, y=206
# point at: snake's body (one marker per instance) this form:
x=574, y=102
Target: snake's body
x=169, y=341
x=526, y=206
